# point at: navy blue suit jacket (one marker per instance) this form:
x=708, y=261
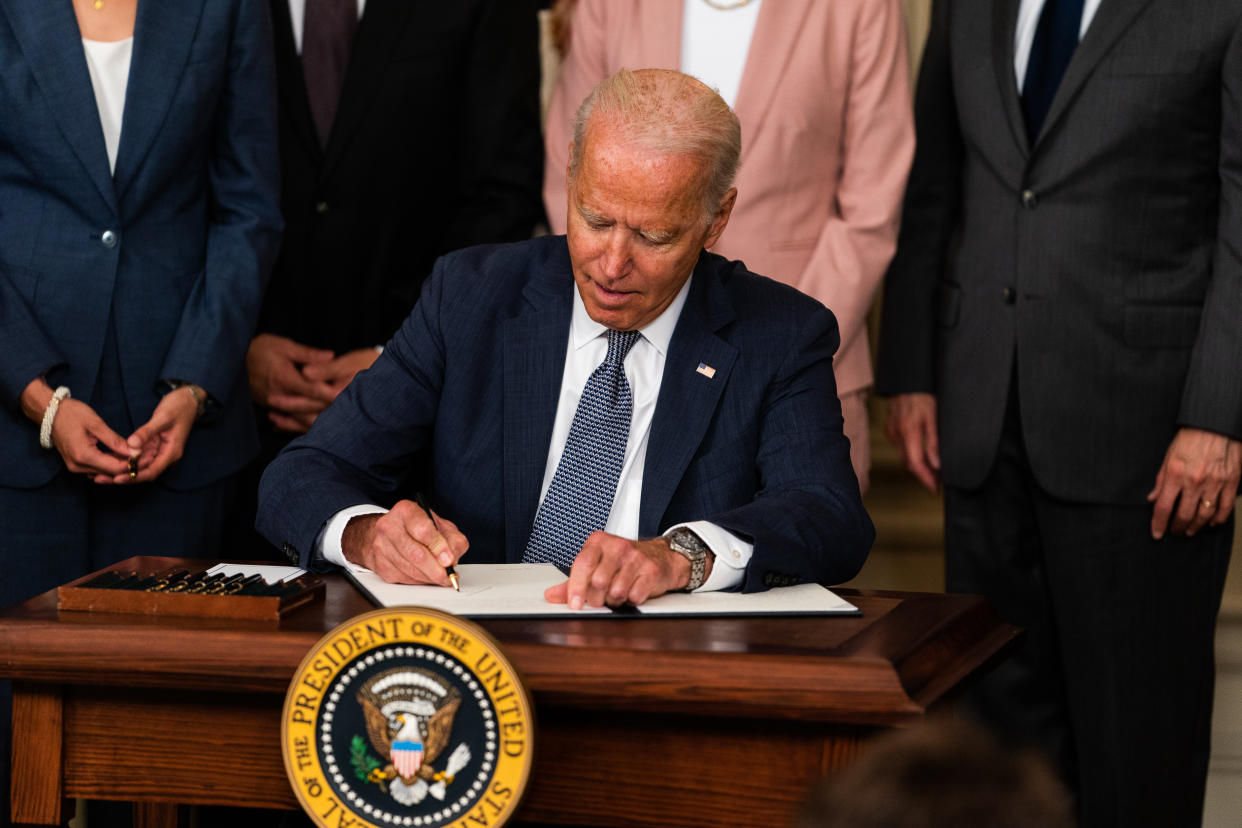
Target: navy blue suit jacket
x=175, y=245
x=473, y=378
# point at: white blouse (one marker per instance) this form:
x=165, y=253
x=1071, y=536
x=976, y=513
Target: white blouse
x=714, y=44
x=108, y=63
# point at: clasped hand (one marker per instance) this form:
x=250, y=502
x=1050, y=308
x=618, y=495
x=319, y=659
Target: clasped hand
x=88, y=446
x=408, y=546
x=296, y=382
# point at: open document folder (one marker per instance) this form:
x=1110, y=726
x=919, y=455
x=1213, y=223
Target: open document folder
x=516, y=590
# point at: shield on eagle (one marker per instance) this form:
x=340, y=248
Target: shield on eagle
x=407, y=746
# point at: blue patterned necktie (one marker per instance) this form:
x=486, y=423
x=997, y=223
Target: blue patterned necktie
x=580, y=495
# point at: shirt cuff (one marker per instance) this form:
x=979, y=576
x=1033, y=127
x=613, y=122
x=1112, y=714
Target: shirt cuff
x=328, y=544
x=732, y=555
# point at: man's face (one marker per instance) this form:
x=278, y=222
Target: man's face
x=635, y=229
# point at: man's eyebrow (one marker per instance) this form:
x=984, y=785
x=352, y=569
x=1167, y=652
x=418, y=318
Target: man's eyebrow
x=658, y=236
x=590, y=215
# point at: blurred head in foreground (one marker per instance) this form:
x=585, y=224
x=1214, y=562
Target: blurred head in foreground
x=944, y=773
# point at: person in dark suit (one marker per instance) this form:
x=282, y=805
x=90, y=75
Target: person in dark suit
x=1061, y=335
x=430, y=142
x=730, y=427
x=138, y=223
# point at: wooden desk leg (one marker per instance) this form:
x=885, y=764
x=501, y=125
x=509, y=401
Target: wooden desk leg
x=38, y=756
x=155, y=815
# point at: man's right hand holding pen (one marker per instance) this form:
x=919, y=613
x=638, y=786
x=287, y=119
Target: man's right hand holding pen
x=406, y=545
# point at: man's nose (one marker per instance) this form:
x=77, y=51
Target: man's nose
x=616, y=255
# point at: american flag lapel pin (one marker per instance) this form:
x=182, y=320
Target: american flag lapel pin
x=706, y=370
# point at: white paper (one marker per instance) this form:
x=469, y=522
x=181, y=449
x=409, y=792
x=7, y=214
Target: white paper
x=486, y=589
x=517, y=590
x=803, y=599
x=271, y=574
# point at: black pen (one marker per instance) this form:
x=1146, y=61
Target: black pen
x=450, y=569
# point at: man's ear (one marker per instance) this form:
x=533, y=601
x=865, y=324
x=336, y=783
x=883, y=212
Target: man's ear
x=721, y=219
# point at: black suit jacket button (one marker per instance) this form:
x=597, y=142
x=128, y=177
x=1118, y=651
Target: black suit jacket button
x=1029, y=199
x=108, y=239
x=1009, y=295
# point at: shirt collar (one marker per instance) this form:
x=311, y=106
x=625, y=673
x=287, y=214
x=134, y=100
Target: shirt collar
x=659, y=332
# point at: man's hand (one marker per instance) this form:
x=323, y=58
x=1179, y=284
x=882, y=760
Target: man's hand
x=160, y=441
x=405, y=546
x=1199, y=477
x=275, y=365
x=911, y=427
x=339, y=372
x=615, y=571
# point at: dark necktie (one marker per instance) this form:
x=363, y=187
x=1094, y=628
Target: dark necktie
x=1056, y=37
x=580, y=495
x=327, y=34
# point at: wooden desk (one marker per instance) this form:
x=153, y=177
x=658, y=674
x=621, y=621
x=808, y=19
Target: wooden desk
x=640, y=721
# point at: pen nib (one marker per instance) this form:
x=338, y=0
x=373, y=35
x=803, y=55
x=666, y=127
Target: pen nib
x=453, y=579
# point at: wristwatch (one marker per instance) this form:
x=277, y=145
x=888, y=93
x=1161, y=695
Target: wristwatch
x=687, y=544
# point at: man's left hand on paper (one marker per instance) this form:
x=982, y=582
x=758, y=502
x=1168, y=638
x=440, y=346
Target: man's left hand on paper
x=405, y=546
x=612, y=571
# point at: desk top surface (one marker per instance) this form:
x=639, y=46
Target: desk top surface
x=900, y=656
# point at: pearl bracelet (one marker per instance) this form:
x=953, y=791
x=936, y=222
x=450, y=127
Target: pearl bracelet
x=49, y=415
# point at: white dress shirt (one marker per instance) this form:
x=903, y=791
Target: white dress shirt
x=715, y=43
x=644, y=369
x=297, y=17
x=1024, y=32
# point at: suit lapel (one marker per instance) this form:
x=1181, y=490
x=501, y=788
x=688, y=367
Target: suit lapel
x=1111, y=20
x=534, y=359
x=163, y=34
x=291, y=82
x=52, y=45
x=380, y=29
x=688, y=398
x=1004, y=23
x=776, y=31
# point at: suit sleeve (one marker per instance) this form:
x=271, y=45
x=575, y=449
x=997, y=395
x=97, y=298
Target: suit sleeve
x=1212, y=395
x=28, y=351
x=905, y=363
x=806, y=521
x=503, y=157
x=856, y=243
x=585, y=65
x=361, y=447
x=219, y=316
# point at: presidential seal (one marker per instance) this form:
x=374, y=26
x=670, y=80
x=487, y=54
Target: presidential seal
x=407, y=717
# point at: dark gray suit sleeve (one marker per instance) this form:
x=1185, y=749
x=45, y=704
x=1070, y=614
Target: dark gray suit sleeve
x=905, y=362
x=1212, y=397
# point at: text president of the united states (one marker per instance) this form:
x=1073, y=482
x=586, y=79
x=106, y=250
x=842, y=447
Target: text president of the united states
x=618, y=398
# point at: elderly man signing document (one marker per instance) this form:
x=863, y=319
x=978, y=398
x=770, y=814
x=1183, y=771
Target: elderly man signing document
x=617, y=401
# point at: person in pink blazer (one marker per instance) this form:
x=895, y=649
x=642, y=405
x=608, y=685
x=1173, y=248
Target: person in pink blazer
x=827, y=141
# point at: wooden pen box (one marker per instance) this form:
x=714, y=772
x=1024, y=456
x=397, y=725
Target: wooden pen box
x=75, y=596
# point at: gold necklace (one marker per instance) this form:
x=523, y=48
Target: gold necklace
x=718, y=6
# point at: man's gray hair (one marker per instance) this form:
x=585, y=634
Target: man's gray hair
x=668, y=113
